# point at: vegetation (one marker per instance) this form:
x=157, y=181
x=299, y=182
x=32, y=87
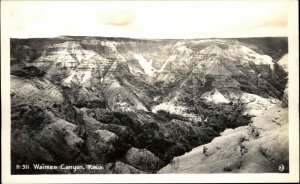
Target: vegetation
x=226, y=116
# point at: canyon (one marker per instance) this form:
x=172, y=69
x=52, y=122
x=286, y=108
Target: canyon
x=142, y=106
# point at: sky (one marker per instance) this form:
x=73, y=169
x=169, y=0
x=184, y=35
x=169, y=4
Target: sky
x=145, y=19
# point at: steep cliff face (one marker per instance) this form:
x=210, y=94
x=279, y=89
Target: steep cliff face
x=283, y=77
x=107, y=100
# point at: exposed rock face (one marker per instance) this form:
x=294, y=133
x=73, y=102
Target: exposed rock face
x=100, y=145
x=256, y=105
x=283, y=62
x=215, y=97
x=132, y=105
x=142, y=159
x=121, y=168
x=262, y=146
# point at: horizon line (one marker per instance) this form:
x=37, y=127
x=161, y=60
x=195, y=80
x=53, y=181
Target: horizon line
x=144, y=38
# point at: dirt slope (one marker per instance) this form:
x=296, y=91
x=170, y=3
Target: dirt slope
x=260, y=147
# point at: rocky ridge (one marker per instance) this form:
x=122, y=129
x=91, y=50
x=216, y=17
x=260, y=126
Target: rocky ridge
x=256, y=148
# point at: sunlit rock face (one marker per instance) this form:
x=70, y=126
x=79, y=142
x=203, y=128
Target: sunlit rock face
x=132, y=105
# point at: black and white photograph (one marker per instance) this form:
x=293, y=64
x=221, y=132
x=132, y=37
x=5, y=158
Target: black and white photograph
x=150, y=89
